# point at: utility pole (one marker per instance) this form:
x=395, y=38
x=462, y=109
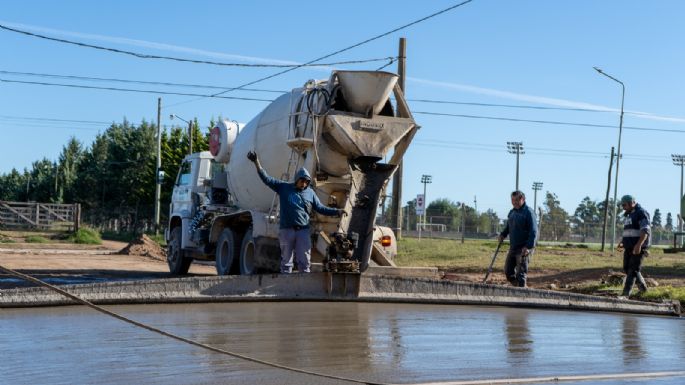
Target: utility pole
x=618, y=153
x=679, y=160
x=463, y=221
x=537, y=186
x=397, y=177
x=425, y=179
x=516, y=148
x=158, y=183
x=606, y=201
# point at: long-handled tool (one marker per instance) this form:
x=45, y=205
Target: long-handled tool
x=494, y=256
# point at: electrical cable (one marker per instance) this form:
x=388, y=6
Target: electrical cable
x=554, y=122
x=134, y=90
x=148, y=56
x=174, y=336
x=90, y=78
x=338, y=51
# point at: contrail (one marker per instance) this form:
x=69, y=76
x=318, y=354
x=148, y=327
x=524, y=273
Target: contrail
x=539, y=99
x=433, y=83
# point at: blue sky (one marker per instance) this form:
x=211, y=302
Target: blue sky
x=526, y=53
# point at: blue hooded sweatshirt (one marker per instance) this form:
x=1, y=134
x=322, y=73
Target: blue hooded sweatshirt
x=521, y=227
x=296, y=205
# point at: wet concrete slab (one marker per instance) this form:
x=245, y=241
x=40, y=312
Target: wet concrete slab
x=380, y=342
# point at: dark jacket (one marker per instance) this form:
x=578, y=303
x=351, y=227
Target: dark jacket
x=522, y=227
x=296, y=205
x=634, y=223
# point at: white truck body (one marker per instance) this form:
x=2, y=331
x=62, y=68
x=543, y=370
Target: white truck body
x=338, y=130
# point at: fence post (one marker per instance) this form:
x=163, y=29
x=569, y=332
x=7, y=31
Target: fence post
x=77, y=216
x=37, y=216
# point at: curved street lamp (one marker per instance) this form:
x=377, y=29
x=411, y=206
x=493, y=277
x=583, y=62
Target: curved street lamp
x=618, y=154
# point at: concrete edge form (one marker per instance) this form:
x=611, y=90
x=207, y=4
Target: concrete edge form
x=325, y=287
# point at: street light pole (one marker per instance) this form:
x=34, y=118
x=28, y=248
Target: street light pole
x=618, y=152
x=537, y=186
x=516, y=148
x=190, y=131
x=679, y=160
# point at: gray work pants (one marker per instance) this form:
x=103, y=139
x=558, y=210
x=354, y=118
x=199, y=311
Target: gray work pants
x=298, y=242
x=516, y=266
x=632, y=263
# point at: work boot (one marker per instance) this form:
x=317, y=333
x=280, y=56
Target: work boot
x=641, y=284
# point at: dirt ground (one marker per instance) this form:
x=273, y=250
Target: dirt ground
x=66, y=263
x=61, y=263
x=573, y=280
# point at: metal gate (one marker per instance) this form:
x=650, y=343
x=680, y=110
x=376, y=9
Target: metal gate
x=36, y=215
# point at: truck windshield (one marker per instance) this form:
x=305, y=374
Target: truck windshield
x=184, y=175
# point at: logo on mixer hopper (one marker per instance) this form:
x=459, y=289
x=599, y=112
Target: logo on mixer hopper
x=368, y=125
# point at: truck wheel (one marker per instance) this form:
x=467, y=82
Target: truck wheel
x=175, y=256
x=226, y=251
x=247, y=254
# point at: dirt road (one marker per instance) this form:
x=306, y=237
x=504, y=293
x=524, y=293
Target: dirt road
x=61, y=263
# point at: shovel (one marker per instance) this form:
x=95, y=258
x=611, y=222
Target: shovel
x=494, y=256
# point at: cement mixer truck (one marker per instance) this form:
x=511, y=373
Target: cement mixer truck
x=341, y=130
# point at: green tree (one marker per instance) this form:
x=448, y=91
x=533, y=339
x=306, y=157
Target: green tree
x=67, y=169
x=443, y=211
x=669, y=222
x=555, y=218
x=586, y=217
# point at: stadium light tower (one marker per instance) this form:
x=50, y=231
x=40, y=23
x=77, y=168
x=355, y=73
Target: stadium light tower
x=425, y=179
x=516, y=148
x=537, y=186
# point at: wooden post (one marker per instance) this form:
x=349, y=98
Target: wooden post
x=397, y=176
x=77, y=216
x=37, y=215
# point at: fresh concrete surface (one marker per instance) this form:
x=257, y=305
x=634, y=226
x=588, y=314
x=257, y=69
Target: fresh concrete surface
x=325, y=287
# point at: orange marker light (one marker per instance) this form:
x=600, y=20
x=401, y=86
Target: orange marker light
x=386, y=241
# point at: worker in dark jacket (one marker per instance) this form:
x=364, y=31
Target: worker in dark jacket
x=636, y=234
x=522, y=230
x=296, y=201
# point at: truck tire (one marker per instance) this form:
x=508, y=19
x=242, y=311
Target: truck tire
x=247, y=254
x=176, y=257
x=227, y=248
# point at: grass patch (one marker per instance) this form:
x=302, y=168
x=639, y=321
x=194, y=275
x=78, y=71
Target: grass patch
x=85, y=235
x=158, y=238
x=475, y=255
x=664, y=293
x=36, y=239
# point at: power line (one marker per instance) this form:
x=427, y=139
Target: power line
x=506, y=105
x=554, y=122
x=9, y=117
x=148, y=56
x=116, y=80
x=535, y=150
x=133, y=90
x=339, y=51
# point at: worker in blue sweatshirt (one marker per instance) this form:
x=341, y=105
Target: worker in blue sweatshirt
x=296, y=201
x=522, y=230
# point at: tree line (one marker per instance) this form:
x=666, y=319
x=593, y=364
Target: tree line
x=112, y=178
x=584, y=224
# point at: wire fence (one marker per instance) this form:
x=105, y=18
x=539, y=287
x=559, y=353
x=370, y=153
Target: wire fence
x=568, y=231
